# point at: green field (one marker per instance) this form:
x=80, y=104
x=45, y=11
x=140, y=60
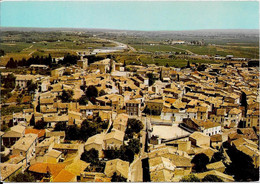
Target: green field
x=155, y=48
x=223, y=50
x=26, y=44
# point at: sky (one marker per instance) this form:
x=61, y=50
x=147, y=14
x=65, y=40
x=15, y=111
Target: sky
x=129, y=15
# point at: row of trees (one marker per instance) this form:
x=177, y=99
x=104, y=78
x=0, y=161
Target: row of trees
x=32, y=60
x=69, y=59
x=87, y=129
x=207, y=178
x=125, y=152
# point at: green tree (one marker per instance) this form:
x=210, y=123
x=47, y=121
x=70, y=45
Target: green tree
x=23, y=177
x=73, y=133
x=40, y=125
x=67, y=96
x=211, y=178
x=90, y=156
x=134, y=145
x=190, y=178
x=19, y=100
x=151, y=78
x=4, y=158
x=91, y=92
x=188, y=64
x=117, y=178
x=133, y=126
x=31, y=86
x=200, y=161
x=217, y=156
x=60, y=126
x=11, y=63
x=102, y=93
x=243, y=100
x=9, y=81
x=83, y=100
x=32, y=121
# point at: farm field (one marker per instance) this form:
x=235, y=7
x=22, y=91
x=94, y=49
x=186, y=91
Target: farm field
x=16, y=46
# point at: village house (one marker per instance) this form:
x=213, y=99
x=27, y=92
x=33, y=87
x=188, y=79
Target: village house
x=120, y=122
x=19, y=119
x=25, y=146
x=83, y=63
x=207, y=127
x=9, y=170
x=22, y=80
x=235, y=115
x=220, y=116
x=177, y=158
x=52, y=156
x=103, y=66
x=53, y=120
x=96, y=142
x=133, y=107
x=202, y=113
x=161, y=169
x=114, y=100
x=58, y=72
x=114, y=139
x=14, y=134
x=216, y=141
x=199, y=139
x=117, y=166
x=155, y=105
x=252, y=119
x=59, y=134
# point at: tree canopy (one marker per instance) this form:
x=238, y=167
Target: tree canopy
x=190, y=178
x=200, y=161
x=211, y=178
x=40, y=125
x=118, y=178
x=66, y=96
x=91, y=92
x=23, y=177
x=151, y=78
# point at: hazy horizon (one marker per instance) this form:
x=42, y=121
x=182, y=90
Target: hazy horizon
x=131, y=15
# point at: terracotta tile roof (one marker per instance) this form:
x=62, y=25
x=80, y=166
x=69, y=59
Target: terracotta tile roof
x=40, y=133
x=64, y=176
x=77, y=167
x=54, y=169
